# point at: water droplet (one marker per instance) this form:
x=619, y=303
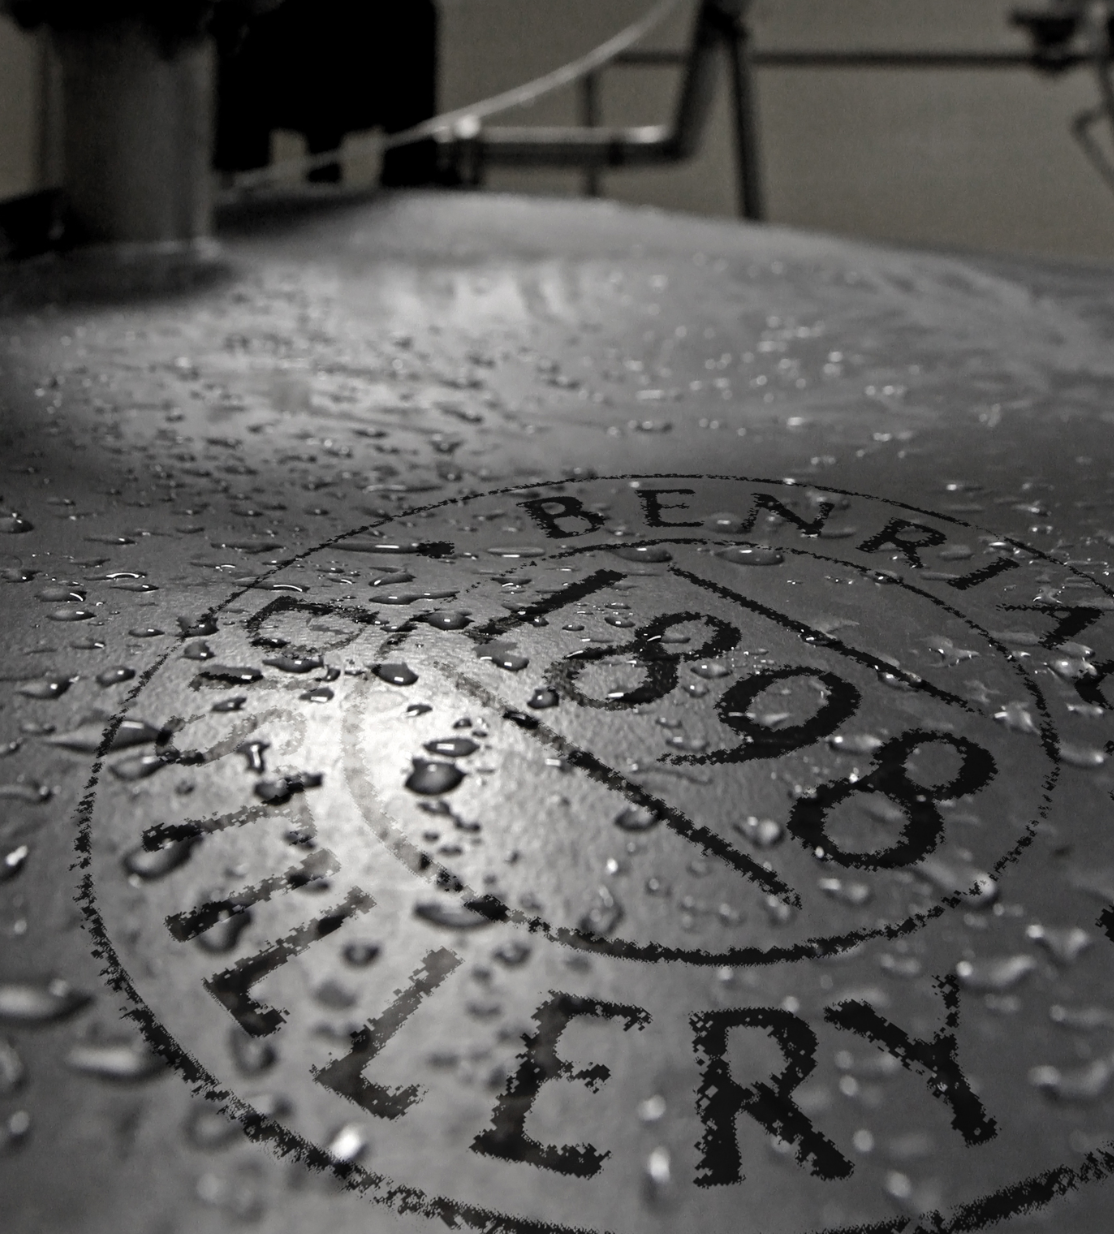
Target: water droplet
x=777, y=910
x=115, y=1062
x=197, y=627
x=1065, y=943
x=658, y=1178
x=139, y=767
x=693, y=745
x=27, y=1002
x=1072, y=669
x=520, y=550
x=197, y=651
x=17, y=574
x=520, y=718
x=230, y=704
x=149, y=865
x=1084, y=1018
x=446, y=620
x=724, y=522
x=452, y=747
x=501, y=654
x=70, y=614
x=1083, y=1084
x=451, y=915
x=761, y=832
x=349, y=1143
x=711, y=670
x=948, y=651
x=12, y=862
x=15, y=1130
x=378, y=546
x=360, y=955
x=745, y=556
x=853, y=893
x=87, y=738
x=973, y=886
x=332, y=994
x=253, y=754
x=115, y=676
x=13, y=525
x=994, y=974
x=397, y=597
x=420, y=709
x=47, y=687
x=653, y=554
x=60, y=595
x=233, y=674
x=433, y=778
x=281, y=788
x=542, y=699
x=636, y=818
x=900, y=965
x=603, y=916
x=396, y=673
x=320, y=694
x=26, y=790
x=620, y=622
x=11, y=1068
x=858, y=743
x=293, y=664
x=1082, y=756
x=1016, y=716
x=652, y=1110
x=390, y=578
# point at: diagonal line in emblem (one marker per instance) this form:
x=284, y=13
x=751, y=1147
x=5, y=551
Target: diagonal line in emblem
x=712, y=844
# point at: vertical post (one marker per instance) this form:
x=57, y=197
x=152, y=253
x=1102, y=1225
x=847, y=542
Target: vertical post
x=138, y=135
x=590, y=118
x=745, y=102
x=49, y=166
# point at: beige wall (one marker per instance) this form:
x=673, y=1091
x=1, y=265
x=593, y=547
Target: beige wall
x=19, y=95
x=959, y=159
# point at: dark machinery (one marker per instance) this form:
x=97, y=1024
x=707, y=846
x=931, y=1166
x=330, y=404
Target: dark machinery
x=1066, y=36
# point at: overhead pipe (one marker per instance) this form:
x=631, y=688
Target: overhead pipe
x=470, y=149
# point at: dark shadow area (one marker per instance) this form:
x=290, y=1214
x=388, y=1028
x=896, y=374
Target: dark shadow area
x=276, y=212
x=110, y=275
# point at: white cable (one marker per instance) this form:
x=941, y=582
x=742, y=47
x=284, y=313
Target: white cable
x=466, y=117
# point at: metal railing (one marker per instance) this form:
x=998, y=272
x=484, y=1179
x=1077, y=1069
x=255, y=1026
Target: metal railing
x=1062, y=39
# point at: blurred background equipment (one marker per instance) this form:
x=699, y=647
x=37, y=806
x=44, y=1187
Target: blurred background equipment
x=323, y=69
x=821, y=125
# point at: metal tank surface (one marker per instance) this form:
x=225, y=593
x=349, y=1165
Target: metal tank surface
x=540, y=716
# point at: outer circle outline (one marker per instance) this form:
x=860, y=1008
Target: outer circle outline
x=1023, y=1196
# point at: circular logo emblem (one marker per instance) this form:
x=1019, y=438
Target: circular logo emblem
x=597, y=854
